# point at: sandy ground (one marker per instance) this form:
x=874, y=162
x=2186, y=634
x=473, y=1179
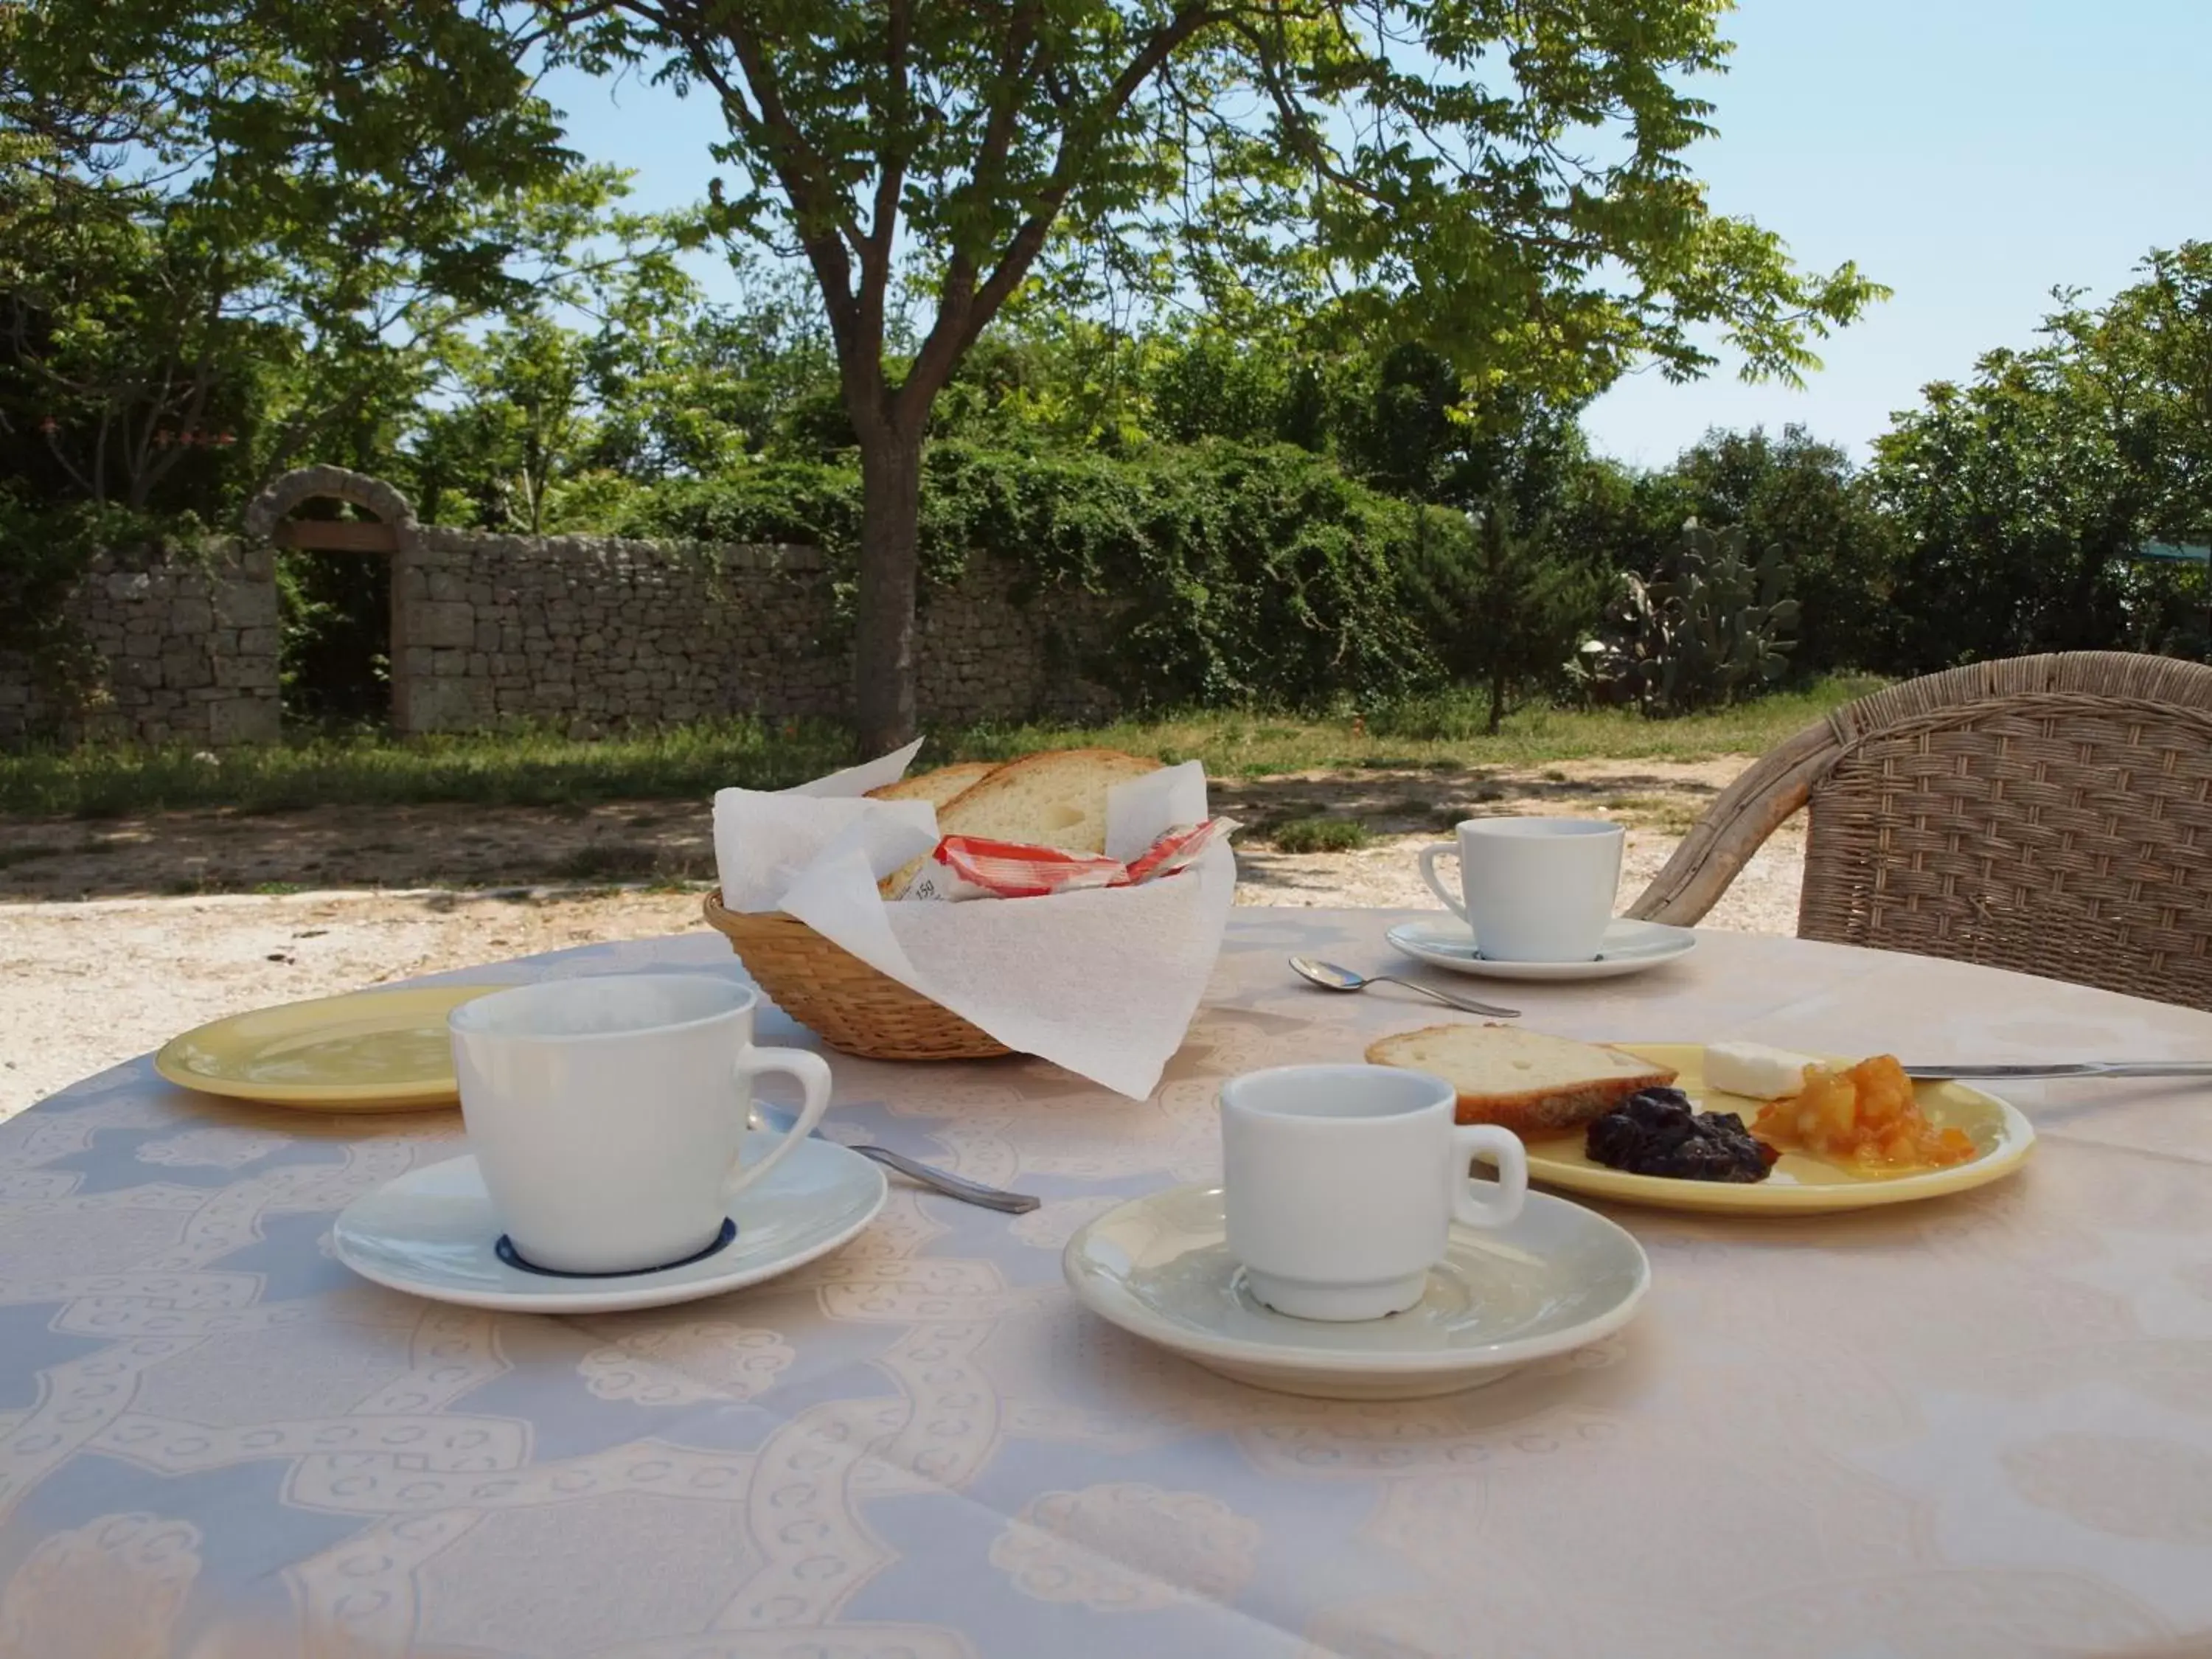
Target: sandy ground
x=101, y=958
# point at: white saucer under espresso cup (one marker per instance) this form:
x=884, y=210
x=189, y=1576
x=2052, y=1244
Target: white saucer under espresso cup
x=1340, y=1185
x=606, y=1115
x=1533, y=889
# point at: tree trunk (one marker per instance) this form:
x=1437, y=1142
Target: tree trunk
x=883, y=656
x=1496, y=702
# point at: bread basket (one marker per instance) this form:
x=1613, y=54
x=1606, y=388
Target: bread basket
x=848, y=1005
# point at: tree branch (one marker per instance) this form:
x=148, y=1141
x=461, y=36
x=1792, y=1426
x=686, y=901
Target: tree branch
x=806, y=177
x=963, y=315
x=891, y=154
x=827, y=235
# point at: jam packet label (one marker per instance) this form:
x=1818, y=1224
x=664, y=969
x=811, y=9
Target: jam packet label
x=965, y=867
x=972, y=867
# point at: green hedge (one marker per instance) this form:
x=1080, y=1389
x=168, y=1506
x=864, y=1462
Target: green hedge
x=1245, y=575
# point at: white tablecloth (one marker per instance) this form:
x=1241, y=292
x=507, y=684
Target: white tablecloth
x=1981, y=1425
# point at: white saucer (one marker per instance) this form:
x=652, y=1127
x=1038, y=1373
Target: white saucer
x=1560, y=1278
x=432, y=1233
x=1629, y=947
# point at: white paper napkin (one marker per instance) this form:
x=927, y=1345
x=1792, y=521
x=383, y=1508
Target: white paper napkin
x=1103, y=981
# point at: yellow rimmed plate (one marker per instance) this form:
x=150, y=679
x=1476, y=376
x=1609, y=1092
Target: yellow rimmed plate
x=368, y=1051
x=1799, y=1184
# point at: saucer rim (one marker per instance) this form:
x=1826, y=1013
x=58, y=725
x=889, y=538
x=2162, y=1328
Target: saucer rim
x=1403, y=937
x=1122, y=1309
x=655, y=1288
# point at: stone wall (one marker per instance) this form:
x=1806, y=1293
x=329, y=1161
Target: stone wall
x=585, y=633
x=158, y=647
x=596, y=632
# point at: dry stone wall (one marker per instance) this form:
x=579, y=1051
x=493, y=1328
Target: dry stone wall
x=597, y=632
x=588, y=634
x=157, y=647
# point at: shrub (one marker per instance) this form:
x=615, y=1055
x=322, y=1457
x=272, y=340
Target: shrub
x=812, y=503
x=1238, y=575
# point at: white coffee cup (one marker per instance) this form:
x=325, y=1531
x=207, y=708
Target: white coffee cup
x=1341, y=1183
x=1533, y=889
x=607, y=1113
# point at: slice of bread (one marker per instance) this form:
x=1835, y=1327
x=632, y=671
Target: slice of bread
x=939, y=786
x=1057, y=798
x=1529, y=1083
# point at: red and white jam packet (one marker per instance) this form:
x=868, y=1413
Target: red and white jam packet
x=973, y=867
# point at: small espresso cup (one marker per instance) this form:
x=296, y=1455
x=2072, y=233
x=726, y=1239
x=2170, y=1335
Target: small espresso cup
x=1533, y=889
x=1341, y=1183
x=607, y=1113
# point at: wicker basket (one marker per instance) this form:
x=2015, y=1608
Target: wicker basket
x=838, y=997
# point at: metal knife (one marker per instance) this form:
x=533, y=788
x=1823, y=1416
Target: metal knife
x=2078, y=1068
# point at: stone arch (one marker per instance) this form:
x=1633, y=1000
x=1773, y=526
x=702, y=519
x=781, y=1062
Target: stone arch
x=307, y=484
x=394, y=536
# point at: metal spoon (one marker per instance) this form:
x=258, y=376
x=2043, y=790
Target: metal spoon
x=1331, y=977
x=968, y=1192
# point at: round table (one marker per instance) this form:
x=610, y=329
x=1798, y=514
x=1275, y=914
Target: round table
x=1981, y=1424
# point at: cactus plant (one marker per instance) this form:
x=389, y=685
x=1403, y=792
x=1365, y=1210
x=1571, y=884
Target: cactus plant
x=1717, y=628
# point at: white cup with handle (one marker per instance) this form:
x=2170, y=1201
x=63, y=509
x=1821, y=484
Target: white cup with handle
x=607, y=1113
x=1533, y=889
x=1340, y=1185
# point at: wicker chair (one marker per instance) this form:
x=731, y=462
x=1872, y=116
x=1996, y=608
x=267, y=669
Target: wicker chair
x=2048, y=814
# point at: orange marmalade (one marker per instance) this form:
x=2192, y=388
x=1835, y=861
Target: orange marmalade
x=1865, y=1116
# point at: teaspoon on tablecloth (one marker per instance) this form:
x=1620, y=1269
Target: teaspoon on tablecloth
x=1331, y=977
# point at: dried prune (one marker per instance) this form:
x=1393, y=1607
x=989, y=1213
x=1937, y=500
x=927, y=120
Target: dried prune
x=1655, y=1131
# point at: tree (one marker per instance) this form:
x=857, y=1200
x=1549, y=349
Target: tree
x=1503, y=611
x=691, y=391
x=260, y=218
x=2020, y=498
x=1507, y=184
x=520, y=424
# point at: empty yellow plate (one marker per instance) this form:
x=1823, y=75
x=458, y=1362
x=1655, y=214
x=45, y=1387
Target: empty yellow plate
x=1800, y=1183
x=370, y=1051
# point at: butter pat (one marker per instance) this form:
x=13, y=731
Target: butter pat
x=1755, y=1069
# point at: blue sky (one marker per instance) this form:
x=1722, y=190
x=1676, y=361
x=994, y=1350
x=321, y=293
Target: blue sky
x=1971, y=153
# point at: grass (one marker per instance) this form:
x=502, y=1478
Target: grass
x=526, y=769
x=1444, y=733
x=1319, y=835
x=543, y=768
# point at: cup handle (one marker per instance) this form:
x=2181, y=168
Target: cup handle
x=1505, y=1148
x=1429, y=857
x=813, y=1074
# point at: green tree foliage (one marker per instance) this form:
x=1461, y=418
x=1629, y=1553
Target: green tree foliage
x=520, y=425
x=1807, y=498
x=231, y=227
x=2018, y=498
x=1239, y=573
x=1793, y=492
x=1513, y=190
x=1502, y=609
